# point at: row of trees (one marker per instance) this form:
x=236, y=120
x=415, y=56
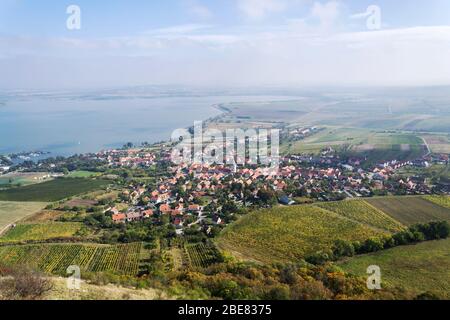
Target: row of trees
x=414, y=234
x=232, y=281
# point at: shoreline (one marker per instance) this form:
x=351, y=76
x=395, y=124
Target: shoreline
x=216, y=104
x=48, y=154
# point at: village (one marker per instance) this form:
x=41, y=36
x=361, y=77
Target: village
x=208, y=196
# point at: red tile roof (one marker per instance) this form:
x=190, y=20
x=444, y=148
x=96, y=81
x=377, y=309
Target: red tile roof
x=164, y=208
x=119, y=217
x=148, y=213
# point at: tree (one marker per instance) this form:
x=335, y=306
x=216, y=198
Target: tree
x=443, y=229
x=226, y=289
x=128, y=145
x=403, y=238
x=229, y=207
x=433, y=230
x=215, y=231
x=320, y=257
x=389, y=242
x=278, y=292
x=342, y=248
x=418, y=236
x=267, y=197
x=133, y=235
x=310, y=290
x=289, y=275
x=372, y=245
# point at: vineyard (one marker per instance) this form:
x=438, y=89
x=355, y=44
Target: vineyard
x=41, y=232
x=203, y=255
x=290, y=233
x=55, y=258
x=411, y=210
x=443, y=201
x=363, y=212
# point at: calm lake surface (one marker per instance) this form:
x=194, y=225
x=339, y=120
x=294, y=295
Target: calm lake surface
x=69, y=126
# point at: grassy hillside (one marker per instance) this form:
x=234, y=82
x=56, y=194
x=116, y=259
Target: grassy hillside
x=422, y=267
x=40, y=232
x=290, y=233
x=443, y=201
x=44, y=216
x=363, y=212
x=92, y=291
x=51, y=191
x=411, y=210
x=11, y=212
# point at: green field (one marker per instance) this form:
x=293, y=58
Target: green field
x=82, y=174
x=51, y=191
x=285, y=234
x=438, y=143
x=22, y=179
x=11, y=212
x=377, y=146
x=56, y=258
x=411, y=210
x=337, y=138
x=438, y=124
x=363, y=212
x=420, y=110
x=41, y=232
x=423, y=267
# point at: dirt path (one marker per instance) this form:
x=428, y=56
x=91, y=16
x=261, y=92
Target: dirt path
x=2, y=231
x=427, y=145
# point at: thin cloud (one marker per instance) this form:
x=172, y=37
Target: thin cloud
x=258, y=9
x=199, y=10
x=326, y=13
x=297, y=52
x=178, y=29
x=360, y=15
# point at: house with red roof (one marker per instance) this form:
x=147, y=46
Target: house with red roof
x=119, y=218
x=134, y=216
x=148, y=213
x=165, y=208
x=194, y=208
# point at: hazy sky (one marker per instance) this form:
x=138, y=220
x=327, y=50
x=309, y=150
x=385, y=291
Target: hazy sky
x=224, y=43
